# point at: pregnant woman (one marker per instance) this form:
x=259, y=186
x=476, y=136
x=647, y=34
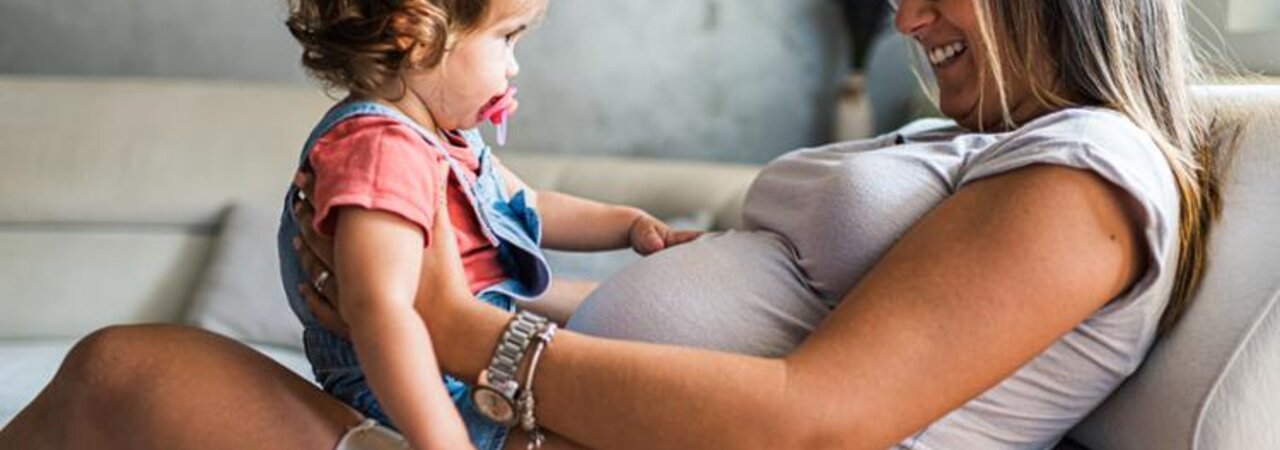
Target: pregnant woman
x=980, y=283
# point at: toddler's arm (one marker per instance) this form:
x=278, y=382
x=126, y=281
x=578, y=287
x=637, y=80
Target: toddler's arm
x=577, y=224
x=378, y=261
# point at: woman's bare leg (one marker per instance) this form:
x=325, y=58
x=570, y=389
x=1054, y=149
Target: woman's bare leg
x=517, y=440
x=173, y=387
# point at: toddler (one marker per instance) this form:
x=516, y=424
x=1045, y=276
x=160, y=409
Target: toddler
x=420, y=76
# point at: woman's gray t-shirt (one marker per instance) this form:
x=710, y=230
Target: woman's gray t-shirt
x=818, y=219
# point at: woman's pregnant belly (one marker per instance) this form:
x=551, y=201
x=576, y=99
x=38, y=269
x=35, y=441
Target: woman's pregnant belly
x=738, y=291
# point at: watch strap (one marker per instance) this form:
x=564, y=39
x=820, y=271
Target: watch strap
x=507, y=356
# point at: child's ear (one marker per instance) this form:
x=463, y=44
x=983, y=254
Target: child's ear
x=405, y=43
x=415, y=53
x=442, y=56
x=419, y=55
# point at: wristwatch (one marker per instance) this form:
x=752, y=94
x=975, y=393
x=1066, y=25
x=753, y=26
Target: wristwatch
x=495, y=392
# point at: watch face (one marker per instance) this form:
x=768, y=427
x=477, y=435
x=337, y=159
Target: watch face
x=493, y=405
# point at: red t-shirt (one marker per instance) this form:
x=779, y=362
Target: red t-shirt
x=379, y=163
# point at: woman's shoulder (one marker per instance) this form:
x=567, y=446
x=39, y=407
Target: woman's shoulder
x=1105, y=143
x=1088, y=127
x=1099, y=140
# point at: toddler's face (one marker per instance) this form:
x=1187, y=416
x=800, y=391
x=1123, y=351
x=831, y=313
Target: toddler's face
x=478, y=67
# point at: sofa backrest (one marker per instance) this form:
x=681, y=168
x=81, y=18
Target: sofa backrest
x=111, y=190
x=1214, y=381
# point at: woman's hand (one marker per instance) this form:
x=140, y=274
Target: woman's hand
x=443, y=280
x=443, y=283
x=649, y=235
x=316, y=253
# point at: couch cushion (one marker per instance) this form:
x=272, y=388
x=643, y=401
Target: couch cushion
x=240, y=294
x=65, y=280
x=112, y=189
x=1212, y=382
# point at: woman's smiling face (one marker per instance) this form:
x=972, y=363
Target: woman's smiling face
x=950, y=34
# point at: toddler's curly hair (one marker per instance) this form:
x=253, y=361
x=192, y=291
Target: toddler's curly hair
x=359, y=45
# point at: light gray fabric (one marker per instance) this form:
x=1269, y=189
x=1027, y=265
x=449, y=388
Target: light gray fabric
x=173, y=153
x=25, y=369
x=735, y=291
x=820, y=218
x=240, y=294
x=67, y=280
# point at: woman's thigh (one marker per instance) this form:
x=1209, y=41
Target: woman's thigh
x=160, y=386
x=518, y=440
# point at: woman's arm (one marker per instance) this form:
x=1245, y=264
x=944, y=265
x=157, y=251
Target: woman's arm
x=562, y=299
x=378, y=261
x=980, y=286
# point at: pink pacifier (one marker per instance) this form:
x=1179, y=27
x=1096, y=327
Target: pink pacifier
x=498, y=112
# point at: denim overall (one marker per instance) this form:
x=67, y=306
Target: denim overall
x=511, y=225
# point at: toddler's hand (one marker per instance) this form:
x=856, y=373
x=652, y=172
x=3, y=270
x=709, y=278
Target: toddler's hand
x=650, y=235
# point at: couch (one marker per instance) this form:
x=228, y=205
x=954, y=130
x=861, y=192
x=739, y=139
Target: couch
x=128, y=200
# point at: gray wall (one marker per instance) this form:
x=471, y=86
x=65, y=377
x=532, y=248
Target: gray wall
x=236, y=39
x=717, y=78
x=713, y=79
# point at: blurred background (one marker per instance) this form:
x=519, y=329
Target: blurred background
x=726, y=80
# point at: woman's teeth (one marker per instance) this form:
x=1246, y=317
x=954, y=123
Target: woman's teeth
x=943, y=54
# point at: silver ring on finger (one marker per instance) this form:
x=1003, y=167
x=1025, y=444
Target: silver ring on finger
x=320, y=281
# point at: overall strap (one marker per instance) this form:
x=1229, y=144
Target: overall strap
x=347, y=110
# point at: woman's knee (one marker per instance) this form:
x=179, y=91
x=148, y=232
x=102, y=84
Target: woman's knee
x=176, y=382
x=108, y=364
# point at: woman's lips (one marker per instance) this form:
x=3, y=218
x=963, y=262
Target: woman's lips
x=945, y=54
